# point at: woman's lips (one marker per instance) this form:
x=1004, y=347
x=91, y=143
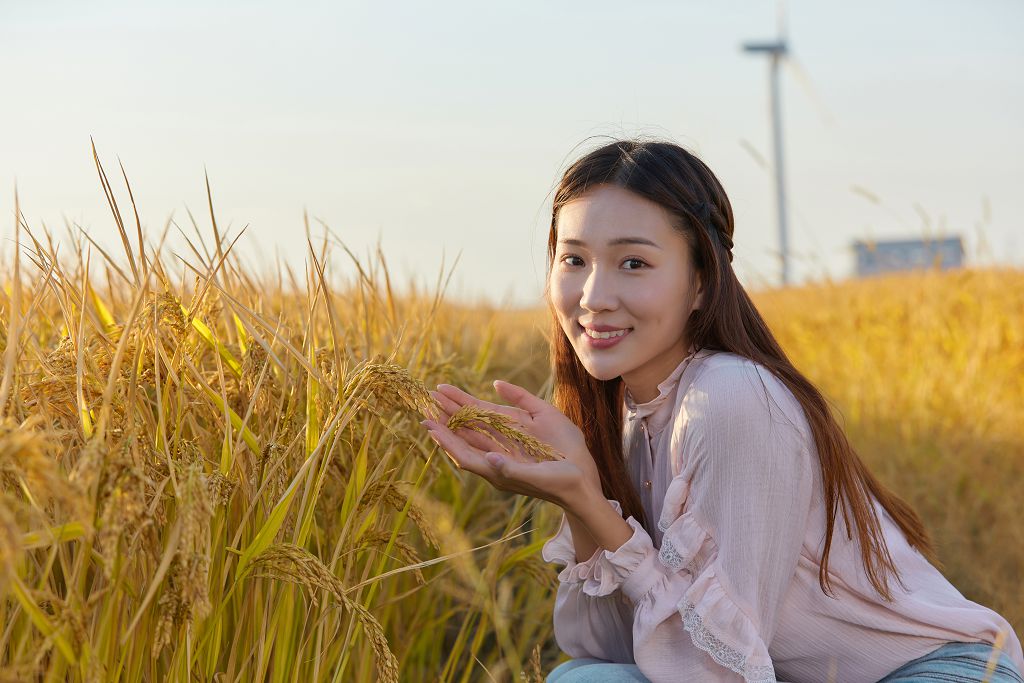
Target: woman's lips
x=603, y=343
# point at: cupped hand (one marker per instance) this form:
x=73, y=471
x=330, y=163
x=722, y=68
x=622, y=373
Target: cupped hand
x=530, y=414
x=558, y=481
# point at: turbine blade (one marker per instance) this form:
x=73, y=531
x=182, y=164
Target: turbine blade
x=804, y=80
x=754, y=153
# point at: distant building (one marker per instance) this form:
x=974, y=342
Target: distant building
x=886, y=256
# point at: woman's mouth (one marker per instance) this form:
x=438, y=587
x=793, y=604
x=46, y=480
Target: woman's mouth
x=604, y=340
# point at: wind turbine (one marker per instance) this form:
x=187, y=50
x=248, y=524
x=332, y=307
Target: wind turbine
x=778, y=52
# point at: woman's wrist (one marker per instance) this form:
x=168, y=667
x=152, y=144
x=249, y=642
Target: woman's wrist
x=588, y=504
x=582, y=496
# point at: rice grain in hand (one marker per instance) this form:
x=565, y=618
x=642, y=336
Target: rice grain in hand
x=473, y=417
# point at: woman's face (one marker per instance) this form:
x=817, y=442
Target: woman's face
x=621, y=267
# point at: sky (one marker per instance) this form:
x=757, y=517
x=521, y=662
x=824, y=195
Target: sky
x=440, y=129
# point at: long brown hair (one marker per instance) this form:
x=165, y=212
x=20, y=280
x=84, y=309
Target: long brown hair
x=669, y=175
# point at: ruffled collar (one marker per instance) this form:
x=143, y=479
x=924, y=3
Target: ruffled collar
x=659, y=407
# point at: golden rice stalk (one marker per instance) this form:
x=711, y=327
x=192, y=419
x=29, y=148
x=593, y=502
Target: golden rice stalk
x=253, y=361
x=166, y=309
x=538, y=570
x=89, y=467
x=27, y=459
x=393, y=386
x=10, y=543
x=380, y=539
x=123, y=511
x=535, y=674
x=220, y=488
x=265, y=462
x=185, y=599
x=289, y=562
x=16, y=673
x=472, y=417
x=388, y=492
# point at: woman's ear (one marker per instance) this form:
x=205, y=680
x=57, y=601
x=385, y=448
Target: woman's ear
x=698, y=301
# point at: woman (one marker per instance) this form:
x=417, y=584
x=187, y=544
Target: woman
x=702, y=473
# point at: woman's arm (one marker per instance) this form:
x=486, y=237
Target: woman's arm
x=582, y=540
x=594, y=523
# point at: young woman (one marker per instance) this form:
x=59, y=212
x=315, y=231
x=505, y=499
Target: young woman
x=702, y=473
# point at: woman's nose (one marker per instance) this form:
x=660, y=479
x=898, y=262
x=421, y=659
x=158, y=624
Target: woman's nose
x=598, y=293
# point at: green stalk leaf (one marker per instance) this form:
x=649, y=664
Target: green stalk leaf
x=40, y=621
x=208, y=337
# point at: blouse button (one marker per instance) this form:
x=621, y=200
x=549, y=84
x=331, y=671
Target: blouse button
x=647, y=484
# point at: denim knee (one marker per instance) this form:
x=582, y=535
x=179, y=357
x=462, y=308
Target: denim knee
x=588, y=670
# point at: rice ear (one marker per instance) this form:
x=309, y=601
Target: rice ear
x=473, y=417
x=289, y=562
x=388, y=492
x=393, y=386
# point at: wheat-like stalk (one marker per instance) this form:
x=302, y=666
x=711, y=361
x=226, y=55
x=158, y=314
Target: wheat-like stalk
x=380, y=539
x=289, y=562
x=392, y=385
x=389, y=492
x=535, y=674
x=473, y=417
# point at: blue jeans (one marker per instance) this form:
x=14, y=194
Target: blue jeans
x=953, y=662
x=956, y=662
x=587, y=669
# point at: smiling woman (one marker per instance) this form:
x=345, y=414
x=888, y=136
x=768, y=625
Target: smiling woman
x=702, y=472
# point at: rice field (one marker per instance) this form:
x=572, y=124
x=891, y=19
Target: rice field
x=211, y=476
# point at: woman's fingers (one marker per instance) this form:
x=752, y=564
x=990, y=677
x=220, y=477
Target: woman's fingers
x=517, y=395
x=476, y=439
x=466, y=457
x=462, y=398
x=447, y=405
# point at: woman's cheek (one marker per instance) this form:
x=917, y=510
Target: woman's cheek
x=561, y=297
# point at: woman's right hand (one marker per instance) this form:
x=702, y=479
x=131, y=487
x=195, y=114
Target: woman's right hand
x=532, y=415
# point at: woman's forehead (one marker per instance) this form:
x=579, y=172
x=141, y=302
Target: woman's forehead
x=610, y=216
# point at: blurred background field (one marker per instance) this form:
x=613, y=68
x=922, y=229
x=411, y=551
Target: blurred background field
x=198, y=485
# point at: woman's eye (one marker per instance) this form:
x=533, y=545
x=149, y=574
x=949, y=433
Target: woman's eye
x=570, y=256
x=635, y=260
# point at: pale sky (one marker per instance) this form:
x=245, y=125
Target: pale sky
x=442, y=128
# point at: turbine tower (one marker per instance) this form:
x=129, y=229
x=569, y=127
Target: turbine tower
x=776, y=51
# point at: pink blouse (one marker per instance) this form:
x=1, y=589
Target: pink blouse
x=725, y=588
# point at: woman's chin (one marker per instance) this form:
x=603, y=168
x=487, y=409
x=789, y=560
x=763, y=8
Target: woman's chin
x=601, y=373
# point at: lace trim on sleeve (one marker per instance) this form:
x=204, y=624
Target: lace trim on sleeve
x=720, y=652
x=719, y=627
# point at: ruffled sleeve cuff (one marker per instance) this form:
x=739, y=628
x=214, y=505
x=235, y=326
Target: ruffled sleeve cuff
x=560, y=549
x=633, y=566
x=719, y=627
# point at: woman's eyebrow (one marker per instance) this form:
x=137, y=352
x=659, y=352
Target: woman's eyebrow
x=613, y=243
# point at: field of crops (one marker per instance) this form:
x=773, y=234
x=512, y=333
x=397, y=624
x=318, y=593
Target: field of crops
x=212, y=477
